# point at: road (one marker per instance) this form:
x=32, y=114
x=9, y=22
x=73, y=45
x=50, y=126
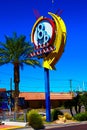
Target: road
x=74, y=127
x=79, y=126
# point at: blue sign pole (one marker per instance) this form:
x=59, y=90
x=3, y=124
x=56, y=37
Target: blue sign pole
x=47, y=95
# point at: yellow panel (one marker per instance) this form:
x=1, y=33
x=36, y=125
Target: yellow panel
x=59, y=43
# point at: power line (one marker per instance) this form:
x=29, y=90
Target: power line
x=34, y=78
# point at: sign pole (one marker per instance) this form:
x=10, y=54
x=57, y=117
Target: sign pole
x=47, y=95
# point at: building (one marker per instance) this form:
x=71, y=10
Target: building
x=33, y=99
x=7, y=101
x=3, y=99
x=37, y=99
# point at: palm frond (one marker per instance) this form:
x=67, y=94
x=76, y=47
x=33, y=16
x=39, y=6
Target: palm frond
x=32, y=62
x=17, y=49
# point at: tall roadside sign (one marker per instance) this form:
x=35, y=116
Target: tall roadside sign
x=49, y=37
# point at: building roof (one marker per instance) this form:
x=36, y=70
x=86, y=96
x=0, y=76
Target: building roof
x=41, y=96
x=2, y=90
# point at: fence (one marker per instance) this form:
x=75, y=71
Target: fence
x=14, y=116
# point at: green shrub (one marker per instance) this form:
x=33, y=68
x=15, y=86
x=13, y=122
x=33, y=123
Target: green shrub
x=34, y=119
x=67, y=116
x=55, y=113
x=81, y=116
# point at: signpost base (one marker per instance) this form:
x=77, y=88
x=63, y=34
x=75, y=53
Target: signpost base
x=47, y=95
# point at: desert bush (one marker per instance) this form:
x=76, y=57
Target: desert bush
x=67, y=116
x=34, y=119
x=81, y=116
x=44, y=118
x=62, y=118
x=55, y=113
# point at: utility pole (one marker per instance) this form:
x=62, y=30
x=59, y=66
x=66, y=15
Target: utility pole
x=70, y=85
x=11, y=84
x=11, y=92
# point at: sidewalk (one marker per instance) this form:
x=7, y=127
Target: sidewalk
x=8, y=125
x=20, y=126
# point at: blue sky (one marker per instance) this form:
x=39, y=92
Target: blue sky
x=18, y=16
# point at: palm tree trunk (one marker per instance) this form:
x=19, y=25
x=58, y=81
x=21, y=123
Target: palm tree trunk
x=16, y=82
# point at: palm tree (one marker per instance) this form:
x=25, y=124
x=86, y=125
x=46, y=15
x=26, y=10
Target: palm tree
x=16, y=51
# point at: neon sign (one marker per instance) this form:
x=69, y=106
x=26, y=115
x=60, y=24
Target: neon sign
x=49, y=37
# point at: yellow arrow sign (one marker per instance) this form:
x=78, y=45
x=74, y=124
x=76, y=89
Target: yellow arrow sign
x=59, y=43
